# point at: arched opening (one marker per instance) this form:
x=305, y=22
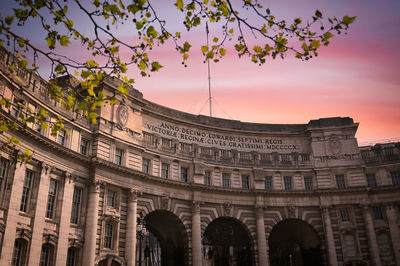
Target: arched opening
x=226, y=242
x=293, y=242
x=167, y=232
x=109, y=262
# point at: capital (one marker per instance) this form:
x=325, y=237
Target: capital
x=133, y=193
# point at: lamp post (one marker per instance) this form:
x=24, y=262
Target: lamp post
x=141, y=233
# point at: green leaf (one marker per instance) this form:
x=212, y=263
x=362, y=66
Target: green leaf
x=93, y=115
x=222, y=51
x=155, y=66
x=179, y=4
x=23, y=64
x=318, y=14
x=348, y=20
x=142, y=65
x=186, y=46
x=315, y=44
x=9, y=20
x=204, y=49
x=151, y=32
x=210, y=55
x=64, y=40
x=257, y=49
x=297, y=20
x=328, y=35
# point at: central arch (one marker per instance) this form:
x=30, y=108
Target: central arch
x=293, y=242
x=171, y=235
x=226, y=242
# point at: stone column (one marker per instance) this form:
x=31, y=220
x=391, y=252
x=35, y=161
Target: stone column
x=39, y=216
x=89, y=247
x=372, y=243
x=261, y=241
x=12, y=216
x=196, y=234
x=330, y=242
x=65, y=220
x=394, y=230
x=130, y=246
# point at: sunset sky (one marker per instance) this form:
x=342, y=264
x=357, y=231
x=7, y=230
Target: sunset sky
x=357, y=75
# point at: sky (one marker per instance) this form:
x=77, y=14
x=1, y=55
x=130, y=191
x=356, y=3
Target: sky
x=357, y=75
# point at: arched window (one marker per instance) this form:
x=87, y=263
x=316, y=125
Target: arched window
x=72, y=256
x=47, y=255
x=19, y=253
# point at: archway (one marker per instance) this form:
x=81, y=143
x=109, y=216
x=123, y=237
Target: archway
x=171, y=235
x=227, y=242
x=293, y=242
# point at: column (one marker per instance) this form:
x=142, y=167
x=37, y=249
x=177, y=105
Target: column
x=330, y=242
x=39, y=216
x=261, y=241
x=393, y=218
x=89, y=247
x=12, y=213
x=130, y=246
x=372, y=243
x=65, y=220
x=196, y=234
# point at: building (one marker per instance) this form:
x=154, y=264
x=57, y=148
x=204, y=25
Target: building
x=210, y=191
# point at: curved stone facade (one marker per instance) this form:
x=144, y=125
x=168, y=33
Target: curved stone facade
x=211, y=191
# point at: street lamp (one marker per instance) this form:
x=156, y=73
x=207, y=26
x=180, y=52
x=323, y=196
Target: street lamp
x=142, y=233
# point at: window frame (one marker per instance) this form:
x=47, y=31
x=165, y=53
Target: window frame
x=245, y=182
x=49, y=259
x=165, y=170
x=377, y=213
x=108, y=240
x=118, y=156
x=207, y=177
x=76, y=206
x=74, y=251
x=112, y=198
x=62, y=137
x=22, y=256
x=268, y=183
x=395, y=176
x=184, y=174
x=308, y=183
x=226, y=180
x=26, y=191
x=371, y=180
x=146, y=166
x=52, y=199
x=287, y=183
x=84, y=148
x=4, y=172
x=340, y=181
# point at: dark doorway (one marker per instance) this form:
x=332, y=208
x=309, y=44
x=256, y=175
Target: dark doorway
x=293, y=242
x=227, y=243
x=171, y=235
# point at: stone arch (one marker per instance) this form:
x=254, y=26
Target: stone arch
x=294, y=242
x=109, y=259
x=172, y=235
x=227, y=241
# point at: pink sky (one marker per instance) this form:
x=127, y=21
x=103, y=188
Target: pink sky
x=358, y=75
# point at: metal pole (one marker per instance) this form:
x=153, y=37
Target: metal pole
x=209, y=77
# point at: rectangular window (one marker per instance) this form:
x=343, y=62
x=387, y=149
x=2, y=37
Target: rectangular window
x=26, y=191
x=395, y=178
x=287, y=180
x=377, y=213
x=51, y=199
x=3, y=172
x=76, y=205
x=371, y=180
x=108, y=235
x=344, y=215
x=340, y=181
x=145, y=166
x=184, y=174
x=62, y=134
x=118, y=156
x=207, y=177
x=16, y=107
x=71, y=257
x=164, y=170
x=245, y=182
x=226, y=180
x=111, y=199
x=268, y=183
x=84, y=146
x=308, y=183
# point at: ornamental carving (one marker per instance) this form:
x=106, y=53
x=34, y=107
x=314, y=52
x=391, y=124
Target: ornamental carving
x=334, y=144
x=122, y=116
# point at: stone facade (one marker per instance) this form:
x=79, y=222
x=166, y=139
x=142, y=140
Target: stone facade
x=192, y=178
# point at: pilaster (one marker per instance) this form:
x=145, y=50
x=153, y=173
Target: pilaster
x=196, y=234
x=372, y=242
x=130, y=246
x=330, y=242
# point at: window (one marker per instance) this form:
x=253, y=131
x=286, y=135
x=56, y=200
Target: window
x=51, y=199
x=19, y=252
x=384, y=244
x=26, y=190
x=76, y=205
x=111, y=199
x=46, y=257
x=395, y=178
x=118, y=156
x=3, y=172
x=146, y=166
x=308, y=183
x=245, y=182
x=305, y=157
x=184, y=174
x=226, y=180
x=62, y=134
x=371, y=180
x=287, y=180
x=340, y=181
x=108, y=236
x=71, y=257
x=84, y=146
x=268, y=183
x=164, y=170
x=377, y=213
x=350, y=248
x=207, y=177
x=15, y=108
x=344, y=215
